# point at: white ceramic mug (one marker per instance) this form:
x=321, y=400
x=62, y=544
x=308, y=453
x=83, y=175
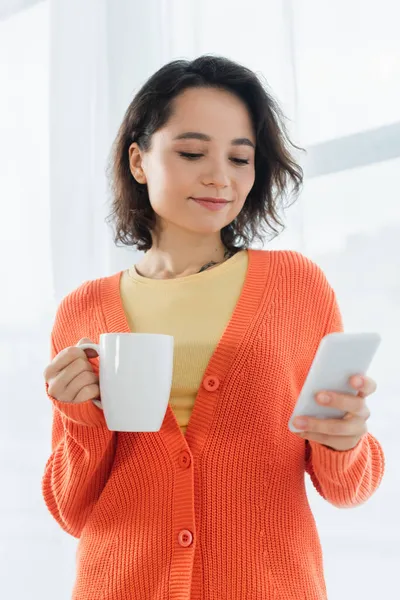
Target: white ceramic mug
x=135, y=379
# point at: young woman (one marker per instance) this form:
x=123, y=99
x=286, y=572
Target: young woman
x=213, y=506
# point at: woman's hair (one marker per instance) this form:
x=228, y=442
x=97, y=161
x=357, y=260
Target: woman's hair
x=132, y=214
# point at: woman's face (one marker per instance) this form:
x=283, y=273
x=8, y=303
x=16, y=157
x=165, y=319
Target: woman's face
x=205, y=150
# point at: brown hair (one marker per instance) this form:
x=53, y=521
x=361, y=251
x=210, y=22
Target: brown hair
x=132, y=214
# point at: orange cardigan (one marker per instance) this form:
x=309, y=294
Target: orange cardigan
x=221, y=513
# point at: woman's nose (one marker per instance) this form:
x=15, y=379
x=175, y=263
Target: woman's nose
x=217, y=177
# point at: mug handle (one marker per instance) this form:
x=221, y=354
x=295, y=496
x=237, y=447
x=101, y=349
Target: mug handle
x=96, y=348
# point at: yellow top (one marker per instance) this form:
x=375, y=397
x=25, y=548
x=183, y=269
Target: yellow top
x=195, y=310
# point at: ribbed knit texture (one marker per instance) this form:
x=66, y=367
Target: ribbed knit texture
x=221, y=513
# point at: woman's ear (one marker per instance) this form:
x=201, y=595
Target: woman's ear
x=135, y=163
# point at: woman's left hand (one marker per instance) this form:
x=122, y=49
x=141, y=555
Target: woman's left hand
x=340, y=434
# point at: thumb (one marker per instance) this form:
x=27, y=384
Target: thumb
x=90, y=353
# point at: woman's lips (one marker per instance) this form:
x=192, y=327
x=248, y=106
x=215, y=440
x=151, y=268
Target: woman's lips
x=212, y=203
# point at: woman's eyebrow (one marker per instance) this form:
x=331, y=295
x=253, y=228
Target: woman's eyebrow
x=243, y=142
x=195, y=135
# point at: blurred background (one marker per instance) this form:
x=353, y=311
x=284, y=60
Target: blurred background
x=68, y=71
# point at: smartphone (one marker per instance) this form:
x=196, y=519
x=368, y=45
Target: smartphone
x=339, y=356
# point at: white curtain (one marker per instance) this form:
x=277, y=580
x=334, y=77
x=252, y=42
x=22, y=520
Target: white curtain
x=69, y=71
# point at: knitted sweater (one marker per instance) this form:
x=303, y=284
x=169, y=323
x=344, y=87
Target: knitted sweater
x=220, y=513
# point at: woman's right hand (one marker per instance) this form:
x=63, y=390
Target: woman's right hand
x=70, y=376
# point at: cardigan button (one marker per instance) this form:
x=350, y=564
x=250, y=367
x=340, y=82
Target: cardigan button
x=185, y=538
x=184, y=460
x=211, y=383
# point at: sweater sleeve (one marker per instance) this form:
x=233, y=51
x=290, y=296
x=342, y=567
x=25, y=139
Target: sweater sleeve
x=82, y=450
x=345, y=479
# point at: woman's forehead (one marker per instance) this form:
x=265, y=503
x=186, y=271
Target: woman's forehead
x=211, y=113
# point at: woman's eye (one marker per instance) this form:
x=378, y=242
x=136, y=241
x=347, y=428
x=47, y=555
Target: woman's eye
x=240, y=161
x=196, y=155
x=190, y=155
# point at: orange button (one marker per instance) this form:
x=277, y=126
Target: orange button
x=184, y=460
x=185, y=538
x=211, y=383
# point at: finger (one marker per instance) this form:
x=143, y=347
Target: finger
x=59, y=383
x=83, y=387
x=336, y=443
x=335, y=427
x=367, y=386
x=346, y=402
x=89, y=392
x=62, y=361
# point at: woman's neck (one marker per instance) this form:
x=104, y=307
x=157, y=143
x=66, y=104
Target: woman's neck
x=158, y=264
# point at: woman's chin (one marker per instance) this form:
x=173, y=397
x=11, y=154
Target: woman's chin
x=198, y=225
x=209, y=223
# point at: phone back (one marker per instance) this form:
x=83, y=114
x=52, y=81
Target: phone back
x=339, y=356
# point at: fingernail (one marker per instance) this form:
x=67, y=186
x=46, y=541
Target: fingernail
x=358, y=381
x=300, y=423
x=324, y=398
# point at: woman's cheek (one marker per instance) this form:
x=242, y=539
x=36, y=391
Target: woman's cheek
x=248, y=181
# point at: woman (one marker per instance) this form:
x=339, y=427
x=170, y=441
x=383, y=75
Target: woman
x=212, y=506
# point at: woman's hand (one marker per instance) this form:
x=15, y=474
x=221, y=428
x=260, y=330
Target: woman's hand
x=70, y=376
x=340, y=434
